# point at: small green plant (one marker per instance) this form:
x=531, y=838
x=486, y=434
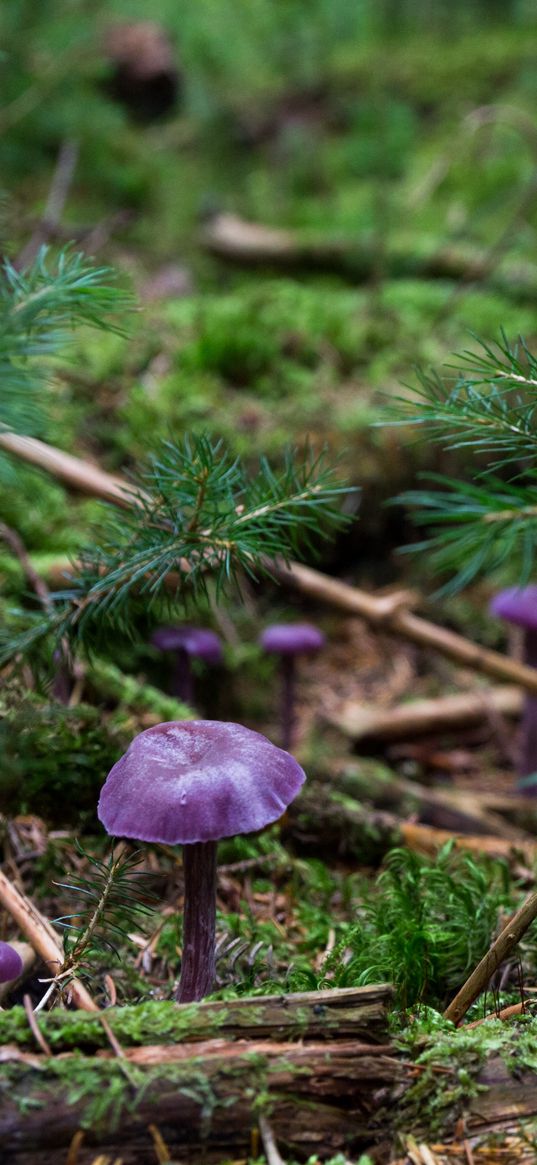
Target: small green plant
x=423, y=926
x=480, y=526
x=109, y=903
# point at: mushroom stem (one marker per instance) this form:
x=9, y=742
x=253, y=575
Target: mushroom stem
x=288, y=672
x=182, y=685
x=198, y=961
x=528, y=728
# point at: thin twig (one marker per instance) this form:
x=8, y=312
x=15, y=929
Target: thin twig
x=57, y=197
x=500, y=949
x=76, y=1144
x=15, y=543
x=37, y=1034
x=269, y=1144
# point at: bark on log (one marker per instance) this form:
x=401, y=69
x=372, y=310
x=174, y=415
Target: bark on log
x=350, y=1012
x=204, y=1098
x=301, y=1058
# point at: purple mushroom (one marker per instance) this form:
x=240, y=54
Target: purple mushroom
x=191, y=782
x=187, y=643
x=10, y=963
x=289, y=640
x=519, y=605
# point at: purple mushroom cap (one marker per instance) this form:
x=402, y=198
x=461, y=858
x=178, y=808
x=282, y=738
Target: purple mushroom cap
x=517, y=605
x=196, y=641
x=192, y=781
x=292, y=638
x=10, y=963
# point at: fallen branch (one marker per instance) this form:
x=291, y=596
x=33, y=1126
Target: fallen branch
x=322, y=821
x=447, y=807
x=359, y=1013
x=249, y=244
x=500, y=949
x=384, y=611
x=359, y=720
x=400, y=621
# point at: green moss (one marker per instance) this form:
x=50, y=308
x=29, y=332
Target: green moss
x=433, y=1104
x=142, y=1023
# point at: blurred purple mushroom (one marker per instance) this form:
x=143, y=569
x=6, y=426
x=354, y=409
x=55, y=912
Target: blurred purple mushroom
x=519, y=605
x=190, y=783
x=10, y=963
x=289, y=640
x=187, y=643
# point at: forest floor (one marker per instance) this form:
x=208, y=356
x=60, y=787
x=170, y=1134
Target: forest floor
x=407, y=853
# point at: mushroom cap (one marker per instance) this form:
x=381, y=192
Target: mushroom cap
x=187, y=781
x=517, y=605
x=292, y=638
x=196, y=641
x=10, y=963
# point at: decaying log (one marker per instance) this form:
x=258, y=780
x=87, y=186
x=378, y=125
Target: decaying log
x=251, y=244
x=351, y=1012
x=301, y=1058
x=326, y=822
x=445, y=807
x=205, y=1098
x=362, y=721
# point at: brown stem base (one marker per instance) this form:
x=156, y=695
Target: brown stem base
x=198, y=962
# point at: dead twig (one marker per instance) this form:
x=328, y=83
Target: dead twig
x=42, y=937
x=33, y=1024
x=500, y=949
x=62, y=178
x=269, y=1143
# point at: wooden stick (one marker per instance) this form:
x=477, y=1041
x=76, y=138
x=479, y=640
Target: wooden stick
x=399, y=620
x=500, y=949
x=42, y=937
x=384, y=612
x=73, y=471
x=359, y=720
x=250, y=244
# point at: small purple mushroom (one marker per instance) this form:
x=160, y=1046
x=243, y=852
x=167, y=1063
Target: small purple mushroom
x=289, y=640
x=187, y=643
x=519, y=605
x=10, y=963
x=191, y=782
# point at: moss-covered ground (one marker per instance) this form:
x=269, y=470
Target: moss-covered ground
x=403, y=130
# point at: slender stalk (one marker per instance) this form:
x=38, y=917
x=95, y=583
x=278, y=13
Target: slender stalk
x=198, y=962
x=288, y=673
x=528, y=728
x=182, y=682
